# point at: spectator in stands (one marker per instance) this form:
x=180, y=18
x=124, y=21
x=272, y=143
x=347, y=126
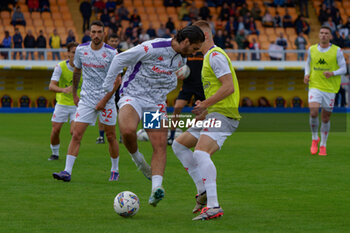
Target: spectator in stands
x=99, y=6
x=233, y=9
x=244, y=10
x=33, y=5
x=250, y=26
x=242, y=43
x=247, y=102
x=44, y=5
x=278, y=2
x=329, y=23
x=135, y=37
x=254, y=45
x=144, y=36
x=110, y=6
x=4, y=6
x=287, y=20
x=304, y=10
x=161, y=31
x=17, y=17
x=151, y=31
x=230, y=27
x=135, y=18
x=123, y=13
x=337, y=18
x=267, y=19
x=193, y=11
x=167, y=33
x=170, y=25
x=240, y=25
x=302, y=26
x=204, y=11
x=256, y=11
x=17, y=43
x=343, y=29
x=281, y=41
x=127, y=44
x=225, y=12
x=70, y=37
x=29, y=43
x=105, y=18
x=338, y=40
x=219, y=39
x=6, y=44
x=301, y=43
x=41, y=44
x=333, y=8
x=323, y=15
x=263, y=102
x=277, y=20
x=228, y=44
x=184, y=12
x=113, y=25
x=55, y=43
x=128, y=30
x=86, y=37
x=86, y=11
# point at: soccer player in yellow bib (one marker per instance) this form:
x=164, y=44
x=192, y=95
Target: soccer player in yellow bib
x=61, y=83
x=325, y=64
x=221, y=105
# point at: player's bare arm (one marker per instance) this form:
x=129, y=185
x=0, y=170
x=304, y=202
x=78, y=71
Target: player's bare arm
x=55, y=88
x=76, y=80
x=226, y=89
x=306, y=79
x=102, y=104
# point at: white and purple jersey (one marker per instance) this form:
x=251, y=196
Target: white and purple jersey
x=151, y=70
x=94, y=65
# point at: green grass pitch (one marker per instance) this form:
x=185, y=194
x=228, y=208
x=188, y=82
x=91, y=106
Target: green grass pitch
x=267, y=182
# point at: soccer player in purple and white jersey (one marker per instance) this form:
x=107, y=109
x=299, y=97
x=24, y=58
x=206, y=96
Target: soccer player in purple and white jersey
x=93, y=60
x=150, y=77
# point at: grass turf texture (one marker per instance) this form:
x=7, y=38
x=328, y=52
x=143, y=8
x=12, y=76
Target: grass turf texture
x=267, y=182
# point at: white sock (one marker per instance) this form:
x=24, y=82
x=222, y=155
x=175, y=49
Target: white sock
x=137, y=157
x=314, y=127
x=115, y=163
x=70, y=159
x=325, y=127
x=208, y=172
x=185, y=156
x=55, y=149
x=157, y=181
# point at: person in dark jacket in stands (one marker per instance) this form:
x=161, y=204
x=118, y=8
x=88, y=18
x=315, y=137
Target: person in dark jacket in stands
x=41, y=44
x=29, y=43
x=17, y=43
x=86, y=11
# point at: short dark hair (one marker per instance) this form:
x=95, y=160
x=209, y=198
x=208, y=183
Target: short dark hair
x=72, y=45
x=97, y=23
x=193, y=33
x=326, y=27
x=113, y=35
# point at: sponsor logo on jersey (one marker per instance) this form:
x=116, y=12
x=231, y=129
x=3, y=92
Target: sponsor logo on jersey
x=160, y=58
x=159, y=71
x=321, y=62
x=214, y=54
x=145, y=48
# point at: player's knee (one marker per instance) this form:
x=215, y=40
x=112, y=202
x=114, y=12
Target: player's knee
x=314, y=113
x=77, y=136
x=128, y=132
x=56, y=130
x=177, y=147
x=111, y=137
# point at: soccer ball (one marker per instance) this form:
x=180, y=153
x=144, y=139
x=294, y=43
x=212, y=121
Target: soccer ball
x=126, y=204
x=183, y=72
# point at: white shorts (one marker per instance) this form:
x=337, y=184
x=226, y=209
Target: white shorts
x=63, y=112
x=228, y=126
x=325, y=99
x=142, y=106
x=89, y=115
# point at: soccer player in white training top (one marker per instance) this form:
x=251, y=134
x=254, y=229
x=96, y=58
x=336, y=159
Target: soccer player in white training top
x=221, y=105
x=93, y=60
x=61, y=84
x=148, y=80
x=324, y=67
